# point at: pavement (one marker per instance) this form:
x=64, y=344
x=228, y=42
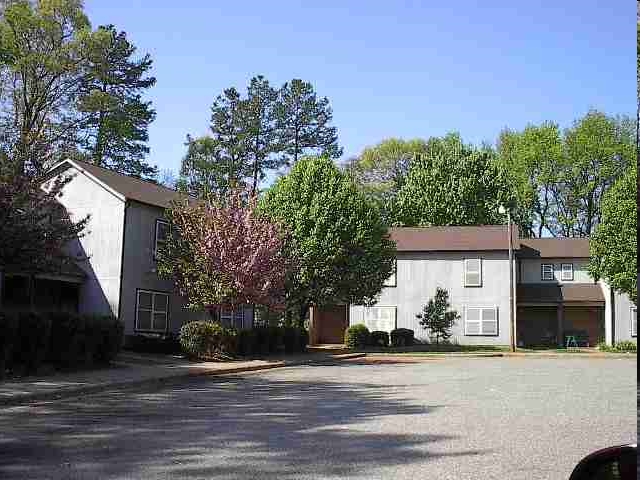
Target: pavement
x=134, y=369
x=453, y=418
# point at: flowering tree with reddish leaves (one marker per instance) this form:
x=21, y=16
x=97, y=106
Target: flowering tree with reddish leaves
x=222, y=253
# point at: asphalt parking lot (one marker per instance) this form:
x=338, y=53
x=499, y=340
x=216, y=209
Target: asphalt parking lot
x=474, y=418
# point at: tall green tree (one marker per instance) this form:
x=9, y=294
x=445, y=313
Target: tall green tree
x=216, y=161
x=41, y=58
x=304, y=122
x=454, y=184
x=614, y=244
x=259, y=127
x=534, y=160
x=208, y=170
x=561, y=177
x=599, y=149
x=114, y=132
x=380, y=171
x=337, y=238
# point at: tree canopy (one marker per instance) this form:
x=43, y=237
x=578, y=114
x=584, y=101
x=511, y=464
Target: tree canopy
x=222, y=253
x=454, y=184
x=257, y=134
x=67, y=90
x=338, y=240
x=380, y=171
x=614, y=244
x=561, y=177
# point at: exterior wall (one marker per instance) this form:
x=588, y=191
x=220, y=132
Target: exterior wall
x=530, y=270
x=101, y=243
x=140, y=270
x=418, y=275
x=622, y=317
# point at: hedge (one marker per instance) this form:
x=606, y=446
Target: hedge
x=205, y=339
x=379, y=339
x=401, y=337
x=356, y=336
x=63, y=339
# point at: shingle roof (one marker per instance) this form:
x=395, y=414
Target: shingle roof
x=554, y=248
x=132, y=188
x=453, y=238
x=554, y=293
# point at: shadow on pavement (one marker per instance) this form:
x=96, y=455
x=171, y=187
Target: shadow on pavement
x=231, y=427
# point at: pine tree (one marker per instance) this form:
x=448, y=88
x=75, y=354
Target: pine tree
x=115, y=130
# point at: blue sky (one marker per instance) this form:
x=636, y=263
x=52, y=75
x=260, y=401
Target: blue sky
x=389, y=68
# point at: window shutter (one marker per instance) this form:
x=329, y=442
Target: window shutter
x=489, y=321
x=472, y=272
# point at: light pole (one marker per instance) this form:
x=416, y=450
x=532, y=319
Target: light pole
x=502, y=210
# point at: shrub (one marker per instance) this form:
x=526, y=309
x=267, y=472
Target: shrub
x=626, y=346
x=32, y=344
x=379, y=339
x=356, y=336
x=8, y=336
x=247, y=342
x=303, y=340
x=401, y=337
x=290, y=339
x=110, y=339
x=262, y=340
x=274, y=339
x=204, y=340
x=153, y=343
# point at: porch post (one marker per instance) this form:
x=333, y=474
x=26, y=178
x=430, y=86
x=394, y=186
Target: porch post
x=560, y=316
x=313, y=330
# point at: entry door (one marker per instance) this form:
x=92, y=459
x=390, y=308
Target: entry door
x=331, y=323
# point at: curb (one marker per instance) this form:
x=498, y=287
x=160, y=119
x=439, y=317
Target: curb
x=431, y=355
x=23, y=399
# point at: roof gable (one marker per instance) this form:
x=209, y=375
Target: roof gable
x=130, y=188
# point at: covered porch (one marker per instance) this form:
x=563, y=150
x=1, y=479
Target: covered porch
x=548, y=314
x=51, y=291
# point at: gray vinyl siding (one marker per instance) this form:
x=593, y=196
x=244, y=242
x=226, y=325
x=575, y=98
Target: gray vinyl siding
x=622, y=315
x=101, y=243
x=140, y=270
x=530, y=270
x=418, y=275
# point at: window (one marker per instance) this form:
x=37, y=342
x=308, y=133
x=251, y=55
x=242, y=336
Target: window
x=152, y=311
x=234, y=318
x=380, y=318
x=567, y=272
x=481, y=321
x=472, y=272
x=162, y=233
x=547, y=271
x=391, y=281
x=634, y=322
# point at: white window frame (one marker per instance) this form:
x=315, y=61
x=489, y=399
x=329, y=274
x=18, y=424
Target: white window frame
x=155, y=237
x=392, y=281
x=467, y=272
x=234, y=317
x=367, y=310
x=152, y=310
x=481, y=333
x=568, y=278
x=542, y=272
x=634, y=312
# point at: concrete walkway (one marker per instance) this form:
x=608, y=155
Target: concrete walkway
x=135, y=369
